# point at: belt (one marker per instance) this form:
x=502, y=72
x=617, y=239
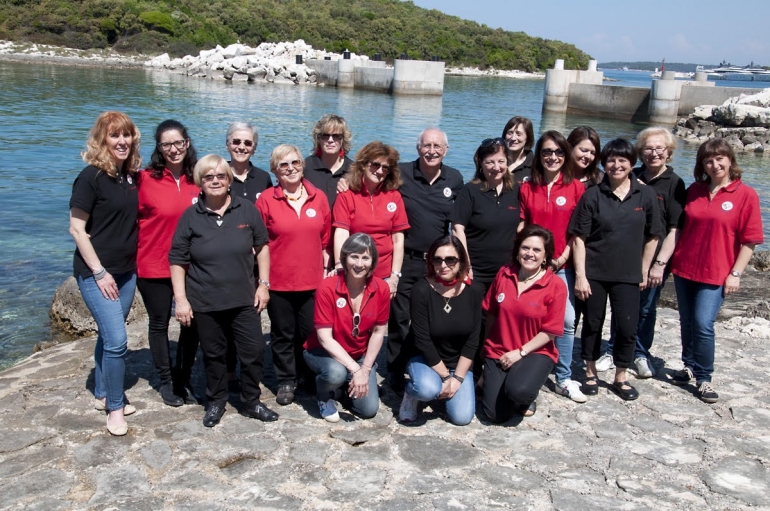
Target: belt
x=416, y=254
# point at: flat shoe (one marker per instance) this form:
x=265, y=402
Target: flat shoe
x=625, y=390
x=530, y=410
x=118, y=430
x=128, y=409
x=261, y=412
x=590, y=389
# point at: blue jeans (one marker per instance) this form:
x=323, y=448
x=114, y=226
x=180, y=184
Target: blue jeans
x=331, y=375
x=645, y=328
x=112, y=341
x=699, y=305
x=426, y=386
x=564, y=343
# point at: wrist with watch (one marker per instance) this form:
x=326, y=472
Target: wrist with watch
x=735, y=273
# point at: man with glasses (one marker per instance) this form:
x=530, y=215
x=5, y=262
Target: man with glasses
x=429, y=191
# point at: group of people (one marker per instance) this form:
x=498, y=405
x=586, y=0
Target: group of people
x=476, y=288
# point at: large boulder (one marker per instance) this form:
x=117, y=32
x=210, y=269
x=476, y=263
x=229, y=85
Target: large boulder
x=69, y=313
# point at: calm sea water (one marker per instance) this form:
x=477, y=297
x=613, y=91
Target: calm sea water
x=47, y=110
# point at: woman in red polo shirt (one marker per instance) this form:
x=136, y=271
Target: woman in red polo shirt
x=548, y=199
x=298, y=223
x=525, y=312
x=722, y=225
x=374, y=206
x=166, y=189
x=351, y=319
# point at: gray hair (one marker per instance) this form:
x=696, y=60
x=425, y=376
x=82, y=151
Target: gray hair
x=668, y=138
x=241, y=126
x=359, y=243
x=443, y=133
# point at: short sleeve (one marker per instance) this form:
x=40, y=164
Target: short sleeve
x=751, y=220
x=400, y=220
x=463, y=207
x=653, y=225
x=323, y=315
x=343, y=210
x=582, y=217
x=323, y=205
x=258, y=229
x=180, y=243
x=675, y=204
x=263, y=207
x=524, y=193
x=490, y=304
x=557, y=305
x=383, y=297
x=85, y=190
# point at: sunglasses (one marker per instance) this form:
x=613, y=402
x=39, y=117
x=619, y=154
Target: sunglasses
x=284, y=165
x=488, y=142
x=210, y=177
x=179, y=144
x=375, y=165
x=334, y=136
x=237, y=141
x=356, y=323
x=449, y=261
x=545, y=153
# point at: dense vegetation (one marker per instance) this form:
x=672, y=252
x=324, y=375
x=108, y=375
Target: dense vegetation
x=390, y=27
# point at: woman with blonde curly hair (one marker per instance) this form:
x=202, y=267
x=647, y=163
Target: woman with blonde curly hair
x=103, y=213
x=329, y=163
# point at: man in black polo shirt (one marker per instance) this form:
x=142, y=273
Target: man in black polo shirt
x=429, y=191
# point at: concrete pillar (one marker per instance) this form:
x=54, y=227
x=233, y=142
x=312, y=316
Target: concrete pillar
x=664, y=99
x=668, y=75
x=557, y=82
x=418, y=77
x=700, y=76
x=346, y=73
x=592, y=66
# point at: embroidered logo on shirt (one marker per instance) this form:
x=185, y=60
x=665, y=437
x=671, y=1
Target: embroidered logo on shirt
x=391, y=206
x=130, y=181
x=447, y=192
x=500, y=297
x=341, y=302
x=727, y=205
x=243, y=226
x=561, y=201
x=638, y=209
x=195, y=200
x=311, y=213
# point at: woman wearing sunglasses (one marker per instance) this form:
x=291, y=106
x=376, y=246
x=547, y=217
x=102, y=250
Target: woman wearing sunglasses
x=329, y=163
x=446, y=321
x=298, y=223
x=548, y=199
x=212, y=271
x=166, y=190
x=351, y=320
x=248, y=180
x=374, y=206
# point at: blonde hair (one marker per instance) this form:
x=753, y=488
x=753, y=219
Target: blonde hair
x=668, y=139
x=97, y=151
x=280, y=152
x=209, y=162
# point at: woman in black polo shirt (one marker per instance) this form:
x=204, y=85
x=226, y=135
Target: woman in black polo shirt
x=617, y=226
x=103, y=211
x=212, y=271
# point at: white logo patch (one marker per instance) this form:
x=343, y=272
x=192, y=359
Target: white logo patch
x=561, y=201
x=500, y=297
x=727, y=205
x=341, y=302
x=260, y=193
x=391, y=206
x=447, y=192
x=130, y=181
x=526, y=178
x=195, y=200
x=311, y=213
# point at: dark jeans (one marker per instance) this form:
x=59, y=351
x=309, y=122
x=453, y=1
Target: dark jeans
x=158, y=295
x=243, y=326
x=399, y=351
x=624, y=304
x=331, y=375
x=511, y=391
x=291, y=323
x=699, y=305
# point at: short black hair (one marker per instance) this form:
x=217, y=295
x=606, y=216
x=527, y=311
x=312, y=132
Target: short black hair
x=619, y=147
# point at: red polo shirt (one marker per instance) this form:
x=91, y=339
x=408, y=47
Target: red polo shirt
x=161, y=203
x=296, y=240
x=520, y=318
x=551, y=210
x=333, y=310
x=714, y=231
x=379, y=215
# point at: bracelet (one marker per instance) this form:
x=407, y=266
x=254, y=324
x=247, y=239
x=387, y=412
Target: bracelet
x=445, y=378
x=265, y=282
x=660, y=263
x=458, y=378
x=99, y=275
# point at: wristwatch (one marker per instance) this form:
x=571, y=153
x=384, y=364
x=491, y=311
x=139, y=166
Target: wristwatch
x=266, y=283
x=660, y=263
x=523, y=352
x=735, y=274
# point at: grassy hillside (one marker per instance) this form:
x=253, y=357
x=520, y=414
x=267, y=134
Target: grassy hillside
x=181, y=27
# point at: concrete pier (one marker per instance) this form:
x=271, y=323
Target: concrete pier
x=418, y=77
x=405, y=77
x=558, y=82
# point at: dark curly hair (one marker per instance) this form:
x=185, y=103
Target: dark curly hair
x=534, y=230
x=158, y=161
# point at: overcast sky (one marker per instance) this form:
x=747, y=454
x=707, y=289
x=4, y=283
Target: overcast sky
x=690, y=31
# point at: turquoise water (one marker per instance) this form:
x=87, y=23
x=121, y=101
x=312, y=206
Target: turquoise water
x=47, y=111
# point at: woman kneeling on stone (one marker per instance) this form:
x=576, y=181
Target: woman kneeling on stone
x=351, y=318
x=446, y=319
x=525, y=312
x=212, y=271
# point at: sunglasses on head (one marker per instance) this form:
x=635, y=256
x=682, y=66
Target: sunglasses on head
x=487, y=142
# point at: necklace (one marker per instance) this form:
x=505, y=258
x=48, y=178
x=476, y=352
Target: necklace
x=299, y=195
x=447, y=307
x=532, y=276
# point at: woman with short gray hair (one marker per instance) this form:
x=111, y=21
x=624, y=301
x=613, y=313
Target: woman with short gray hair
x=249, y=181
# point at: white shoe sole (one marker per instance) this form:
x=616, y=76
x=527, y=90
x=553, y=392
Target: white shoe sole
x=335, y=417
x=127, y=410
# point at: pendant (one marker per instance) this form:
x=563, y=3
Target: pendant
x=447, y=308
x=219, y=223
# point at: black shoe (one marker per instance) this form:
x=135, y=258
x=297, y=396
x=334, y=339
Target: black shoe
x=706, y=393
x=167, y=395
x=625, y=390
x=590, y=389
x=213, y=415
x=285, y=394
x=682, y=377
x=261, y=412
x=187, y=395
x=529, y=411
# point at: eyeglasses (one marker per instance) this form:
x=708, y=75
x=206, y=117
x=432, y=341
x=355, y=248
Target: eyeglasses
x=375, y=165
x=284, y=165
x=334, y=136
x=210, y=177
x=179, y=144
x=433, y=147
x=488, y=142
x=356, y=323
x=237, y=141
x=545, y=153
x=654, y=150
x=449, y=261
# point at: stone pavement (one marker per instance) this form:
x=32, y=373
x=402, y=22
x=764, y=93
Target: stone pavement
x=666, y=450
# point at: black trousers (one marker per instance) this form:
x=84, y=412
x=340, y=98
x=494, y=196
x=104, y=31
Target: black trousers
x=511, y=391
x=399, y=350
x=243, y=326
x=624, y=305
x=158, y=295
x=291, y=323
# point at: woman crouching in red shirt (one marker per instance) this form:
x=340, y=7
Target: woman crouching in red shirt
x=525, y=312
x=351, y=319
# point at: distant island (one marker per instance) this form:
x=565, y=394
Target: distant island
x=388, y=27
x=670, y=66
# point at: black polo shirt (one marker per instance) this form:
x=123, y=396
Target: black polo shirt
x=218, y=250
x=428, y=206
x=672, y=194
x=323, y=179
x=256, y=182
x=490, y=222
x=615, y=231
x=112, y=204
x=523, y=172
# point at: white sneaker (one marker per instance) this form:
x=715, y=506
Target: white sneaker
x=408, y=410
x=329, y=411
x=571, y=389
x=605, y=363
x=643, y=369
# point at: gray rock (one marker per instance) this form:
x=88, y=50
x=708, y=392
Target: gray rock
x=114, y=483
x=368, y=453
x=358, y=484
x=420, y=451
x=102, y=450
x=28, y=460
x=358, y=435
x=313, y=453
x=29, y=488
x=502, y=477
x=157, y=455
x=744, y=479
x=17, y=439
x=570, y=501
x=670, y=452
